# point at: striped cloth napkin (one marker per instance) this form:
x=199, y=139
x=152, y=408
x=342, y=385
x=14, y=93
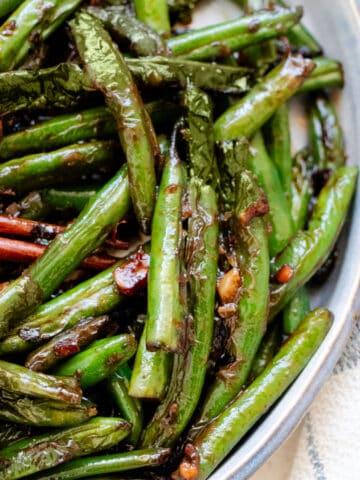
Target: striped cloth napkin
x=326, y=445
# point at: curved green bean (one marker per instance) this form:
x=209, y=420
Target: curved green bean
x=217, y=439
x=247, y=115
x=326, y=135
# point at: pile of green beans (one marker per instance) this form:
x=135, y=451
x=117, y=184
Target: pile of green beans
x=164, y=160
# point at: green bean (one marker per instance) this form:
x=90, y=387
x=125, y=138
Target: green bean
x=68, y=249
x=108, y=71
x=252, y=256
x=115, y=463
x=326, y=135
x=296, y=310
x=151, y=372
x=67, y=344
x=201, y=141
x=130, y=408
x=64, y=130
x=282, y=228
x=164, y=325
x=58, y=132
x=155, y=14
x=234, y=34
x=301, y=188
x=43, y=413
x=21, y=380
x=61, y=86
x=268, y=348
x=328, y=73
x=221, y=435
x=95, y=296
x=142, y=39
x=278, y=141
x=232, y=157
x=100, y=360
x=309, y=249
x=247, y=115
x=67, y=197
x=49, y=450
x=261, y=55
x=58, y=167
x=32, y=16
x=189, y=370
x=163, y=71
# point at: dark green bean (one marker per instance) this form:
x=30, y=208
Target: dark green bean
x=142, y=40
x=268, y=348
x=108, y=71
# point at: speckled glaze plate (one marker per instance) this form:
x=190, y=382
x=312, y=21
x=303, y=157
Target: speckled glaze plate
x=337, y=25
